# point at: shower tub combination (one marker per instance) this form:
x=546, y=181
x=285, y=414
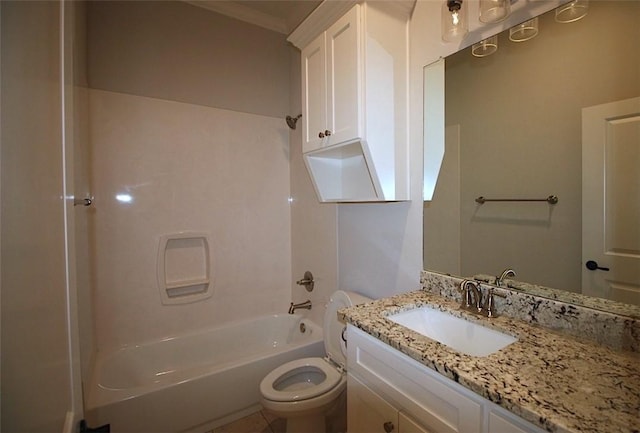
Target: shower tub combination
x=199, y=381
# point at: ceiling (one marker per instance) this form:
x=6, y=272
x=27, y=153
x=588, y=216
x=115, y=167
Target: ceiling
x=281, y=16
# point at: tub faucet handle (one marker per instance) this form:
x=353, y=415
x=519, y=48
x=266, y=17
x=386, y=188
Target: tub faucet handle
x=306, y=281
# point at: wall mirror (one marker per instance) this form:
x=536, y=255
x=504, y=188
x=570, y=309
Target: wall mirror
x=514, y=130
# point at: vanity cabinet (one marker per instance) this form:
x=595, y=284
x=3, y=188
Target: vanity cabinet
x=354, y=77
x=385, y=385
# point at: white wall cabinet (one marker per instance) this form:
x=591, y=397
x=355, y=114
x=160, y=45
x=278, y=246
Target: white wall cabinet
x=331, y=71
x=382, y=381
x=354, y=102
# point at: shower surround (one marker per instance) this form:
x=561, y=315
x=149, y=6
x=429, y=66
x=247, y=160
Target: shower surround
x=163, y=167
x=186, y=113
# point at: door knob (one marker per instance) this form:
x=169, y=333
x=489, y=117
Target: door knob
x=388, y=426
x=593, y=265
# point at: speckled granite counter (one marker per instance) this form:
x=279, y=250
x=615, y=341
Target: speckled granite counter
x=552, y=380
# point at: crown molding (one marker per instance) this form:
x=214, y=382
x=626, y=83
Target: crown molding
x=243, y=13
x=329, y=11
x=319, y=20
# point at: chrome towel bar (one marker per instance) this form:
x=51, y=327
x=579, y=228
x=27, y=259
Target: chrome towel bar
x=552, y=199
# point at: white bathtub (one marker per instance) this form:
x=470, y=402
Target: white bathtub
x=198, y=381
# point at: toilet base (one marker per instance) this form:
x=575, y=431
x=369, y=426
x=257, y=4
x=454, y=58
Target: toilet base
x=306, y=424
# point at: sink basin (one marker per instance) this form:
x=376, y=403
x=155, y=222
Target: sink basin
x=459, y=334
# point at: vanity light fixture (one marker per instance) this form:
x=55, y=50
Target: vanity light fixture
x=486, y=47
x=494, y=11
x=572, y=11
x=524, y=31
x=454, y=20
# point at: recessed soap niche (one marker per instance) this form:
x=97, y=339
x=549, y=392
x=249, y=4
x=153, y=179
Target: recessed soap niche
x=184, y=267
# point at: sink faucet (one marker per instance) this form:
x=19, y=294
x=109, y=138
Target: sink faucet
x=471, y=295
x=505, y=274
x=306, y=305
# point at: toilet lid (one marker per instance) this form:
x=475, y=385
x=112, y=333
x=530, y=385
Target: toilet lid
x=291, y=369
x=334, y=343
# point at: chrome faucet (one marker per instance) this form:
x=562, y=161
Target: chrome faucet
x=471, y=295
x=505, y=274
x=306, y=305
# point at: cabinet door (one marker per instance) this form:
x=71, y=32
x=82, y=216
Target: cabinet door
x=344, y=78
x=407, y=425
x=367, y=412
x=314, y=94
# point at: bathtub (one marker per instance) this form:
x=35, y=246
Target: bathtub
x=198, y=381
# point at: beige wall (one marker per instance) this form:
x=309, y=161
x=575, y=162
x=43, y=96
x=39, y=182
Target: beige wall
x=520, y=119
x=35, y=357
x=176, y=51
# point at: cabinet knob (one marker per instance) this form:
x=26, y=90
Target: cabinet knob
x=321, y=134
x=388, y=426
x=327, y=132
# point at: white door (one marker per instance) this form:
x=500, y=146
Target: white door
x=344, y=72
x=407, y=425
x=367, y=412
x=611, y=201
x=314, y=93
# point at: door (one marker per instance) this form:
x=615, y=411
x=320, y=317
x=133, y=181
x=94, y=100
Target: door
x=611, y=201
x=344, y=79
x=314, y=94
x=40, y=373
x=407, y=425
x=367, y=412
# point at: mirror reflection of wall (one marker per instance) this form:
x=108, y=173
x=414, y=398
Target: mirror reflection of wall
x=514, y=131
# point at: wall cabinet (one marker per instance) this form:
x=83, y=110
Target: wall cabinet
x=384, y=383
x=354, y=102
x=331, y=69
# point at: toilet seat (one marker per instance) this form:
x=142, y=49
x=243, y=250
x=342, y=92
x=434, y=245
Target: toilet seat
x=332, y=377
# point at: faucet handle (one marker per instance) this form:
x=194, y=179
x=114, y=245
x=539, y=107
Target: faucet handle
x=489, y=305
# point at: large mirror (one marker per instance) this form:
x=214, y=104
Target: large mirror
x=514, y=130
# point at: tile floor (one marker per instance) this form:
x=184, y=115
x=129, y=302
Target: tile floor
x=259, y=422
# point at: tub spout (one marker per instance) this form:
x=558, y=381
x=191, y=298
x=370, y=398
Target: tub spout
x=304, y=305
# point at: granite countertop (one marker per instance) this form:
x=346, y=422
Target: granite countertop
x=552, y=380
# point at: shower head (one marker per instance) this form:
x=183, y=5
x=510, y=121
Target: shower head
x=291, y=121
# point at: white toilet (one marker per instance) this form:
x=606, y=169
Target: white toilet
x=304, y=390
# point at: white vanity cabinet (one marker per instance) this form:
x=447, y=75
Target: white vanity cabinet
x=384, y=383
x=354, y=77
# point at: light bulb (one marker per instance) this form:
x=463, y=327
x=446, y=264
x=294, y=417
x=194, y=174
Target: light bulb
x=454, y=20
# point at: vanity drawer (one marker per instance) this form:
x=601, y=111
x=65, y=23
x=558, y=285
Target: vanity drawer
x=431, y=399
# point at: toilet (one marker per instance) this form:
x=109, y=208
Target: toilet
x=303, y=391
